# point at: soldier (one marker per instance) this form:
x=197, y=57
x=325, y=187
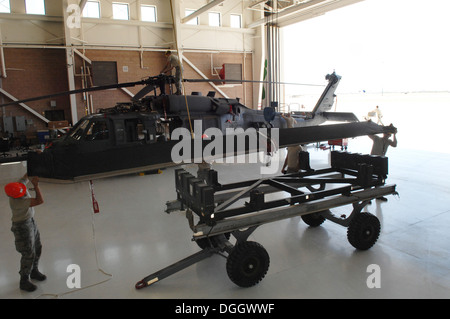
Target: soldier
x=26, y=233
x=173, y=62
x=292, y=162
x=290, y=121
x=380, y=147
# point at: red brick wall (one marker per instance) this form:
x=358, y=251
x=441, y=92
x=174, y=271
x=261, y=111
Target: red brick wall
x=31, y=73
x=203, y=62
x=153, y=62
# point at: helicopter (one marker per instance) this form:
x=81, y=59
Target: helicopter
x=137, y=135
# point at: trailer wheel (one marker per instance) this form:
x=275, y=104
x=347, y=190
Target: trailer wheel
x=247, y=263
x=363, y=231
x=313, y=220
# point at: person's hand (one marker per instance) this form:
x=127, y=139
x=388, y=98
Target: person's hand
x=35, y=181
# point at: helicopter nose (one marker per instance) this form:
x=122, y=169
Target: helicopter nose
x=38, y=165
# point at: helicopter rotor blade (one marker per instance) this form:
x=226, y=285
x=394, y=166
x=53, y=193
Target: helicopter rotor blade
x=143, y=92
x=247, y=81
x=91, y=89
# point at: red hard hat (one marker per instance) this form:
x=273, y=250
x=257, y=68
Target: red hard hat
x=15, y=190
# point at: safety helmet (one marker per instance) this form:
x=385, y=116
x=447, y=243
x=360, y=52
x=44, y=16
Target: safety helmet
x=15, y=190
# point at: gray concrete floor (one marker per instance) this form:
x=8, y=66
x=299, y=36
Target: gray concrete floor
x=133, y=237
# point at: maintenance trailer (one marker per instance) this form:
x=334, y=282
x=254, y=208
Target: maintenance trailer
x=215, y=212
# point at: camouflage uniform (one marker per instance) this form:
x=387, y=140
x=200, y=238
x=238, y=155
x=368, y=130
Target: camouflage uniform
x=175, y=62
x=28, y=244
x=26, y=233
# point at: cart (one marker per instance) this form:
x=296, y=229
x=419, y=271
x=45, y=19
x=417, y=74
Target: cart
x=342, y=142
x=215, y=212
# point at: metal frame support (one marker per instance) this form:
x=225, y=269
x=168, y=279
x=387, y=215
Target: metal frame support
x=70, y=51
x=343, y=220
x=176, y=267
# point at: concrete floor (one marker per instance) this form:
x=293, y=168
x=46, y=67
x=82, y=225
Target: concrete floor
x=133, y=237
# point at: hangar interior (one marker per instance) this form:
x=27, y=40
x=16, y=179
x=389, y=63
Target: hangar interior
x=74, y=44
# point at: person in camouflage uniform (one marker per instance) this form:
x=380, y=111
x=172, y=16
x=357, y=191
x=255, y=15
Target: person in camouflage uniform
x=26, y=232
x=173, y=62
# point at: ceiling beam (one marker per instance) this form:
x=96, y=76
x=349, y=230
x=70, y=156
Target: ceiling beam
x=284, y=13
x=315, y=11
x=82, y=4
x=204, y=77
x=203, y=9
x=26, y=107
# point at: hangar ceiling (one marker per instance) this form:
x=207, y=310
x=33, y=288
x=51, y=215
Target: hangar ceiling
x=281, y=12
x=293, y=11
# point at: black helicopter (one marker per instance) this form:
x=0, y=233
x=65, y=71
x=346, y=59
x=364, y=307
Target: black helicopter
x=135, y=136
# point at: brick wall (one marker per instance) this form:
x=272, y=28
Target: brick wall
x=204, y=61
x=153, y=62
x=31, y=73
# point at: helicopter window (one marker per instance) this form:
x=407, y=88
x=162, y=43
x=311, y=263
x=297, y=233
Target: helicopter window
x=135, y=130
x=141, y=132
x=120, y=131
x=77, y=133
x=98, y=130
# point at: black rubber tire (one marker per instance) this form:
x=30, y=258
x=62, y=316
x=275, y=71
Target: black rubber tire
x=247, y=264
x=363, y=231
x=313, y=220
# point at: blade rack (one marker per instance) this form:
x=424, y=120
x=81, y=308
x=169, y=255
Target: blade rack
x=239, y=208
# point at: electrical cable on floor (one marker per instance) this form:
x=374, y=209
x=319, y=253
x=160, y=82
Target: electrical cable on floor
x=95, y=251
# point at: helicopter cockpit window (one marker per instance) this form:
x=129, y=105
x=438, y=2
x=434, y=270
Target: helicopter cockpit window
x=77, y=132
x=97, y=131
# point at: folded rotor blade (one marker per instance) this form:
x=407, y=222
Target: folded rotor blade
x=95, y=88
x=247, y=81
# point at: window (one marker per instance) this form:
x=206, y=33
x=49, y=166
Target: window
x=120, y=11
x=5, y=6
x=35, y=6
x=148, y=13
x=92, y=9
x=193, y=21
x=98, y=130
x=78, y=130
x=214, y=19
x=235, y=21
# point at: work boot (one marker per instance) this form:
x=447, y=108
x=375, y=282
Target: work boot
x=36, y=274
x=26, y=284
